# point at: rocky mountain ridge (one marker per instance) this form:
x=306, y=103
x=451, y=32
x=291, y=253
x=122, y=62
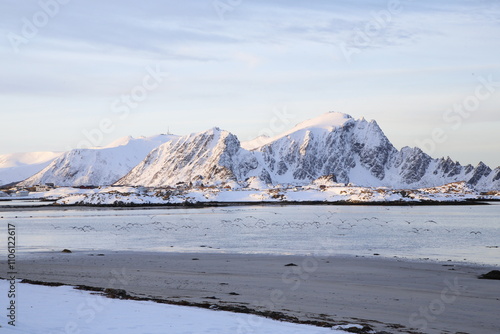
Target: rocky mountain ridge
x=333, y=146
x=353, y=151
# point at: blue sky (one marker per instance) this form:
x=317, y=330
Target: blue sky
x=75, y=72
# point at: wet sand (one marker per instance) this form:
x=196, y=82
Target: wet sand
x=395, y=295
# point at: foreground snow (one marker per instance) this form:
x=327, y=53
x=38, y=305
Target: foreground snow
x=42, y=310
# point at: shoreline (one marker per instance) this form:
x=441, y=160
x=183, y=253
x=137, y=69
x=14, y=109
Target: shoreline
x=262, y=203
x=383, y=293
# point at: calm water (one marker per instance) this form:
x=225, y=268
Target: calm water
x=459, y=233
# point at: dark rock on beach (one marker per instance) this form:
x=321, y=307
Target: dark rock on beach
x=494, y=274
x=115, y=293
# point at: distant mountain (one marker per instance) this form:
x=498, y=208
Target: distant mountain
x=16, y=167
x=97, y=166
x=333, y=144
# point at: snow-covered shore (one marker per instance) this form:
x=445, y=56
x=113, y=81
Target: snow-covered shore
x=43, y=309
x=457, y=192
x=388, y=295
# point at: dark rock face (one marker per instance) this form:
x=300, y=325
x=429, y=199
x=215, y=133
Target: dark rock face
x=412, y=163
x=245, y=166
x=265, y=177
x=479, y=172
x=327, y=178
x=374, y=157
x=496, y=176
x=448, y=167
x=282, y=168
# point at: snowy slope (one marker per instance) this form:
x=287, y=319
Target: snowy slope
x=255, y=143
x=328, y=121
x=16, y=167
x=353, y=151
x=97, y=166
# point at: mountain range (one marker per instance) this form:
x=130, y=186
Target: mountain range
x=333, y=146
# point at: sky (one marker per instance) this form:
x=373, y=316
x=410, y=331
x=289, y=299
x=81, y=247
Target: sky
x=85, y=73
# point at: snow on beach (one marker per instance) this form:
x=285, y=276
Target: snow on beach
x=58, y=310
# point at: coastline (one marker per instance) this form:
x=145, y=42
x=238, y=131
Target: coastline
x=131, y=196
x=395, y=295
x=253, y=203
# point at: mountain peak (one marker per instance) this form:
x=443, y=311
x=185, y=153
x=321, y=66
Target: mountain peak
x=119, y=142
x=128, y=140
x=216, y=131
x=327, y=121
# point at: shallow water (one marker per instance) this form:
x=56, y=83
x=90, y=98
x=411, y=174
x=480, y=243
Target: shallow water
x=458, y=233
x=24, y=202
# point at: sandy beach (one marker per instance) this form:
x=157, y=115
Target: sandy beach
x=393, y=295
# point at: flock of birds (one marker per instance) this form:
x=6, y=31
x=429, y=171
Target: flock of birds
x=328, y=220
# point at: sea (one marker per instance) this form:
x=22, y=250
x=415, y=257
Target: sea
x=463, y=233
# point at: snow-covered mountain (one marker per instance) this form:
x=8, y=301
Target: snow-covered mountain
x=16, y=167
x=333, y=144
x=209, y=157
x=97, y=166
